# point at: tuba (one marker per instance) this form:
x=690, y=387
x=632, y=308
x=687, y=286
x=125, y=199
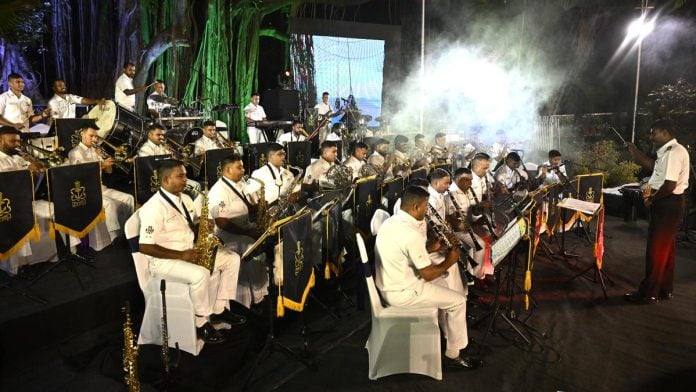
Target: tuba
x=207, y=242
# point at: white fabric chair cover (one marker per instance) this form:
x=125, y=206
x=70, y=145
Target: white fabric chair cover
x=377, y=219
x=180, y=314
x=401, y=340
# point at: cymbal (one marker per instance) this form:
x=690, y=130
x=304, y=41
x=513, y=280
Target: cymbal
x=164, y=99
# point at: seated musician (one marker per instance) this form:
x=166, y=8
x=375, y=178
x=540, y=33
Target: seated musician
x=510, y=176
x=167, y=235
x=439, y=150
x=155, y=102
x=156, y=145
x=551, y=171
x=276, y=178
x=209, y=141
x=231, y=202
x=406, y=276
x=481, y=203
x=11, y=160
x=379, y=158
x=63, y=104
x=118, y=205
x=357, y=158
x=336, y=134
x=296, y=134
x=328, y=154
x=401, y=164
x=461, y=208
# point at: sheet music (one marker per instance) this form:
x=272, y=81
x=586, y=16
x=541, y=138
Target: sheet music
x=586, y=207
x=507, y=241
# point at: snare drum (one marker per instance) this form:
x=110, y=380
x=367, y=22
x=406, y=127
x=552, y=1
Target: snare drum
x=184, y=135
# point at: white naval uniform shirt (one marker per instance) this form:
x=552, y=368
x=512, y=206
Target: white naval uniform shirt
x=256, y=113
x=12, y=162
x=332, y=137
x=509, y=177
x=290, y=137
x=323, y=108
x=161, y=224
x=124, y=83
x=400, y=253
x=551, y=176
x=204, y=144
x=154, y=105
x=479, y=186
x=64, y=107
x=464, y=200
x=149, y=149
x=437, y=200
x=672, y=164
x=84, y=154
x=282, y=176
x=223, y=202
x=355, y=165
x=16, y=109
x=317, y=169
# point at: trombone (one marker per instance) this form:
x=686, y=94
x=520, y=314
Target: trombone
x=183, y=153
x=52, y=158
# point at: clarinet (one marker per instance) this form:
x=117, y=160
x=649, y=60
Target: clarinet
x=486, y=219
x=467, y=226
x=442, y=229
x=165, y=330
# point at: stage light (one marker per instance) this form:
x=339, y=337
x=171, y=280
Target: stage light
x=640, y=28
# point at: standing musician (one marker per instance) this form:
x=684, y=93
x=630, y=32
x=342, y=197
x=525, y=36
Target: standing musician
x=276, y=178
x=118, y=205
x=328, y=154
x=254, y=112
x=296, y=134
x=460, y=192
x=209, y=141
x=15, y=108
x=551, y=171
x=155, y=105
x=63, y=104
x=231, y=202
x=357, y=158
x=669, y=180
x=167, y=238
x=156, y=145
x=406, y=276
x=124, y=92
x=509, y=176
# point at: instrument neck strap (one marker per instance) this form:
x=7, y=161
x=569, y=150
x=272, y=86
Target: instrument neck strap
x=185, y=213
x=239, y=194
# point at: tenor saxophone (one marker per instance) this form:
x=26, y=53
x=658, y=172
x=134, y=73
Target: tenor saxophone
x=207, y=242
x=130, y=353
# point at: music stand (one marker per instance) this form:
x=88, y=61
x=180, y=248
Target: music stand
x=64, y=129
x=272, y=344
x=77, y=187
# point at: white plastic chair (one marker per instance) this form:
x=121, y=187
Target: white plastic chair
x=181, y=321
x=378, y=218
x=401, y=340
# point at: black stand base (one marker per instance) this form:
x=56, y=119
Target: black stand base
x=6, y=282
x=67, y=258
x=598, y=276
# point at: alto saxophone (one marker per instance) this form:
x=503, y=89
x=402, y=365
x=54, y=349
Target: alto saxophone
x=263, y=219
x=278, y=210
x=130, y=353
x=207, y=242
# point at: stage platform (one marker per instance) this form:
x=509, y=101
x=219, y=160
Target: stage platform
x=585, y=343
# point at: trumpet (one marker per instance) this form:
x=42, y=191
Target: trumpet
x=52, y=158
x=121, y=153
x=442, y=230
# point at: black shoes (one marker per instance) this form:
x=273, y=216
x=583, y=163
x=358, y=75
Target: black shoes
x=461, y=362
x=209, y=334
x=469, y=278
x=228, y=317
x=640, y=299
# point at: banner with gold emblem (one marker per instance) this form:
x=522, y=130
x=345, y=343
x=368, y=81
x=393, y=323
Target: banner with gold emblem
x=76, y=193
x=366, y=199
x=295, y=238
x=255, y=156
x=392, y=190
x=589, y=189
x=67, y=131
x=299, y=153
x=145, y=178
x=17, y=220
x=213, y=170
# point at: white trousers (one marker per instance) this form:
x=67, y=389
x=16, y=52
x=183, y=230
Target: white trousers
x=253, y=275
x=448, y=301
x=256, y=135
x=210, y=293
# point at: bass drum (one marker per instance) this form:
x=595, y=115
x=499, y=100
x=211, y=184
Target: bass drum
x=117, y=125
x=184, y=135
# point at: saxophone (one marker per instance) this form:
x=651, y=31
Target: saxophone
x=278, y=210
x=207, y=242
x=263, y=219
x=130, y=353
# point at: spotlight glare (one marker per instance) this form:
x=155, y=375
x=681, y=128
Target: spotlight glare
x=640, y=28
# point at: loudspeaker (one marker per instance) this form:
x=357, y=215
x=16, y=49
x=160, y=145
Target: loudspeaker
x=281, y=104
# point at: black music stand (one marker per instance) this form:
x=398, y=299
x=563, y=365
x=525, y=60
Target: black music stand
x=87, y=176
x=65, y=128
x=272, y=344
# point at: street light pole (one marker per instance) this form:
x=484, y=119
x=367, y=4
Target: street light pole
x=635, y=99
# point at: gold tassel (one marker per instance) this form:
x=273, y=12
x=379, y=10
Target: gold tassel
x=327, y=270
x=280, y=309
x=527, y=280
